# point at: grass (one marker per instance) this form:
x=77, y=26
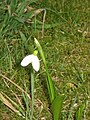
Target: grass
x=66, y=48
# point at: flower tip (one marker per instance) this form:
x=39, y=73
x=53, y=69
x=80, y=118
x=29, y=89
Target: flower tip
x=36, y=41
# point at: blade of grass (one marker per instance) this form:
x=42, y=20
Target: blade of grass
x=71, y=110
x=41, y=108
x=15, y=104
x=79, y=112
x=15, y=85
x=23, y=41
x=27, y=103
x=43, y=23
x=19, y=101
x=8, y=104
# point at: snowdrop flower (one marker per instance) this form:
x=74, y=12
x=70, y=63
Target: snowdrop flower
x=33, y=59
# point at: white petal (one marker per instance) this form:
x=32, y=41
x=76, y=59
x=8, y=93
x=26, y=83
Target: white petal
x=26, y=60
x=35, y=63
x=31, y=59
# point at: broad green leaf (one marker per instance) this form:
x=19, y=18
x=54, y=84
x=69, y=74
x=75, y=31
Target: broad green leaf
x=56, y=107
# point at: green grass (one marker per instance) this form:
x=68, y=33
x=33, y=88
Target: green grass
x=66, y=50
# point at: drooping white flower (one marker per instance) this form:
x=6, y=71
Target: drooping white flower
x=33, y=59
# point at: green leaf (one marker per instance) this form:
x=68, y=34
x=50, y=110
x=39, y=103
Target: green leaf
x=50, y=84
x=56, y=107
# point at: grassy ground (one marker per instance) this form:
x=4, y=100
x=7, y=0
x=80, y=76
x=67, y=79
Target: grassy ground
x=66, y=44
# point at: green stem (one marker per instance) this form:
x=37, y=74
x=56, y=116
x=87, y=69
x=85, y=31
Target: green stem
x=32, y=93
